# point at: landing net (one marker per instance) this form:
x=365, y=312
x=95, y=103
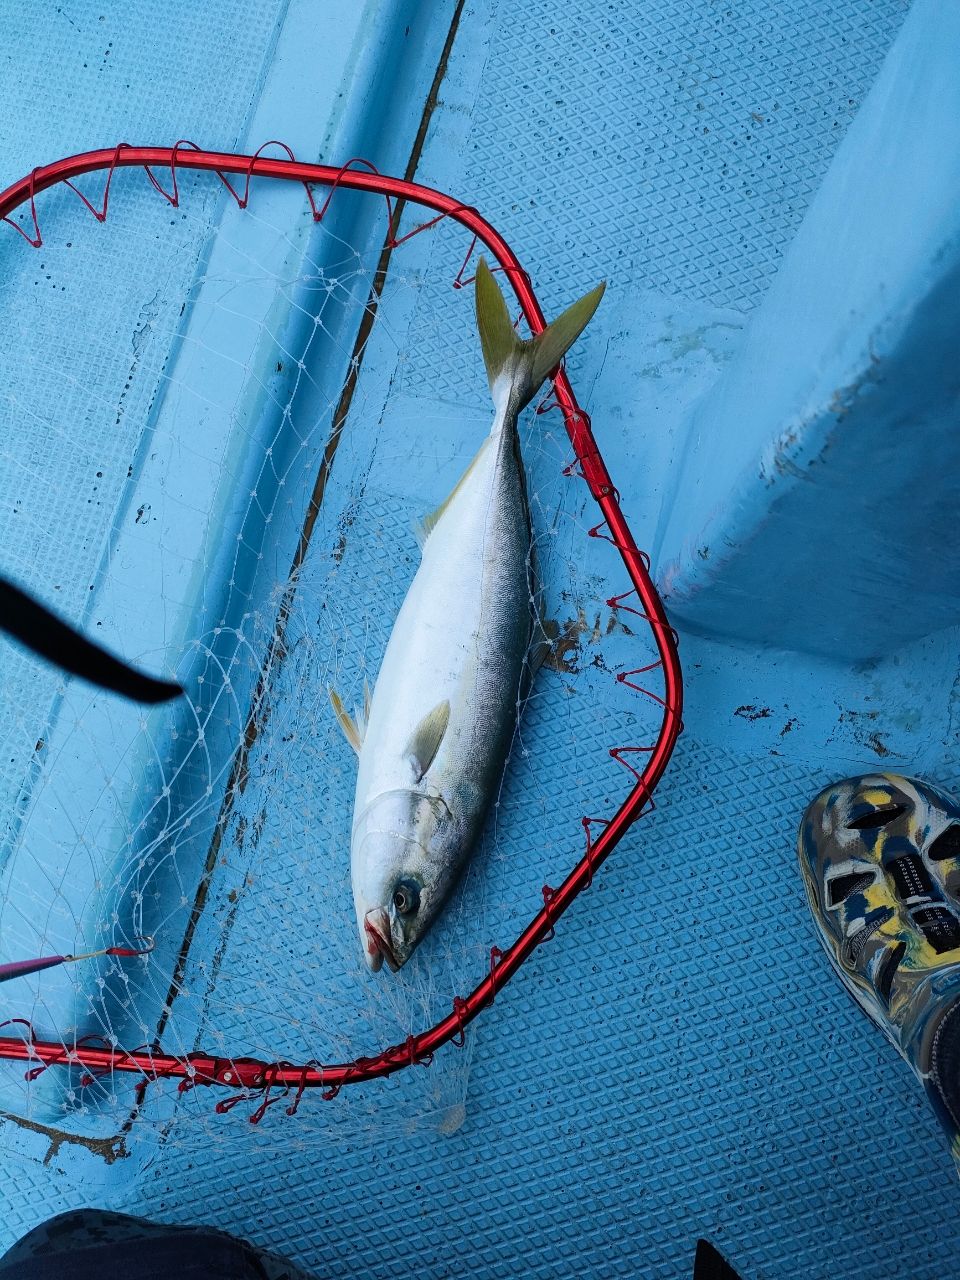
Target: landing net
x=223, y=412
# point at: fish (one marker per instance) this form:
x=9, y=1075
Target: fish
x=433, y=737
x=33, y=625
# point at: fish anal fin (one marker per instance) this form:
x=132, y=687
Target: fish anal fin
x=426, y=738
x=544, y=632
x=423, y=528
x=352, y=731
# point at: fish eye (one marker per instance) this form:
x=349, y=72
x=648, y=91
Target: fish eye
x=406, y=897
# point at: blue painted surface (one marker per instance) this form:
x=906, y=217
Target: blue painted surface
x=680, y=1060
x=837, y=424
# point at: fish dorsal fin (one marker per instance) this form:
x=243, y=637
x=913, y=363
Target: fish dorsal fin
x=423, y=528
x=353, y=729
x=426, y=738
x=517, y=368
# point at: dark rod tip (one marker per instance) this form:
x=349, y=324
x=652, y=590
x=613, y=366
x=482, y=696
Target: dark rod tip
x=33, y=625
x=709, y=1264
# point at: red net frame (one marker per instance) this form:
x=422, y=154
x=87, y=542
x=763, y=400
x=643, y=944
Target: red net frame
x=254, y=1076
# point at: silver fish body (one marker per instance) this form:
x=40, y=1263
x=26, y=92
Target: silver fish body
x=461, y=637
x=435, y=735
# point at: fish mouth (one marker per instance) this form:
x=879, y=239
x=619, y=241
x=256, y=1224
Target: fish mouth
x=376, y=928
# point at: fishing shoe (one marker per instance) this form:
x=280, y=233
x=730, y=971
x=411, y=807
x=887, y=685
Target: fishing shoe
x=880, y=857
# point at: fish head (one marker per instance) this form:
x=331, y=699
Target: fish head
x=880, y=856
x=403, y=866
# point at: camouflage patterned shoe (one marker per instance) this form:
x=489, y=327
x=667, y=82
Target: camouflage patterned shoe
x=880, y=857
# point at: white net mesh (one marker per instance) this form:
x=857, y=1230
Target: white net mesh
x=208, y=469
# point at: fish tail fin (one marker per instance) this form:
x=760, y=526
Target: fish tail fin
x=516, y=368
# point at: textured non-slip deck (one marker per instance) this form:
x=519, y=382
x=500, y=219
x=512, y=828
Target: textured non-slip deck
x=679, y=1060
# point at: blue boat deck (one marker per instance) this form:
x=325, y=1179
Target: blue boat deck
x=679, y=1061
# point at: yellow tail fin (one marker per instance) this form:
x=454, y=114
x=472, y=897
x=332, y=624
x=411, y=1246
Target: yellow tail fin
x=517, y=368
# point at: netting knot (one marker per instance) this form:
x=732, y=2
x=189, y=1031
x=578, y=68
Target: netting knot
x=460, y=1007
x=66, y=1056
x=414, y=1058
x=291, y=1110
x=31, y=1039
x=271, y=1074
x=549, y=401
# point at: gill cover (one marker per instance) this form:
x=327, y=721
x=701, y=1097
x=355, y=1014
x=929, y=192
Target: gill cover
x=399, y=874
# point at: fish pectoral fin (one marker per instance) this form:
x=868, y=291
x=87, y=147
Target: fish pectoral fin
x=426, y=738
x=423, y=528
x=352, y=730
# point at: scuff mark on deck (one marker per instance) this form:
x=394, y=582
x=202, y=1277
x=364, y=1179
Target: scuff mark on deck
x=751, y=712
x=108, y=1149
x=567, y=643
